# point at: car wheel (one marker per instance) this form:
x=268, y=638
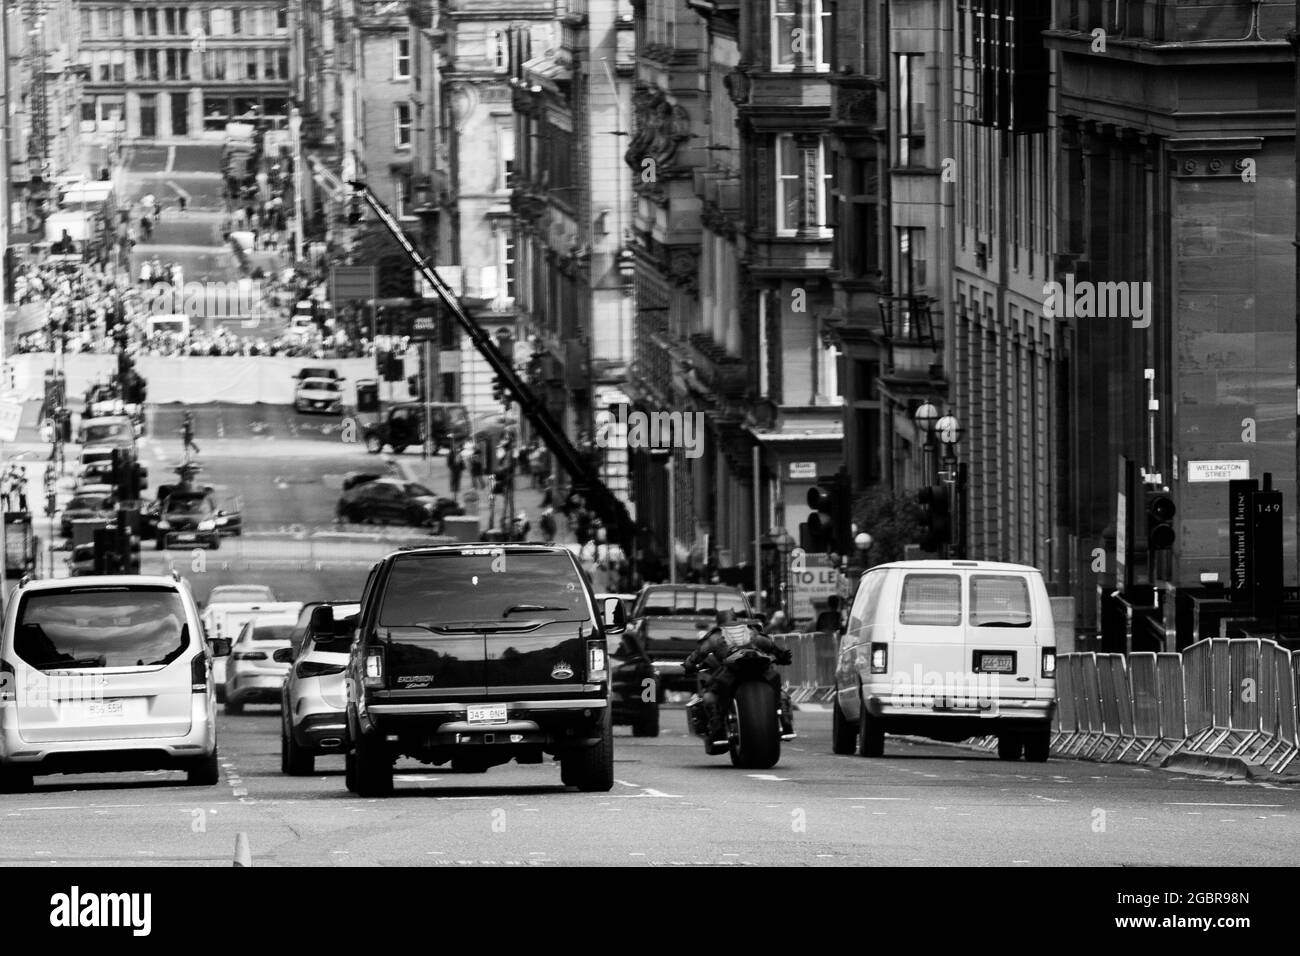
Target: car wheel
x=204, y=772
x=871, y=735
x=14, y=780
x=234, y=708
x=1038, y=746
x=1010, y=745
x=647, y=722
x=374, y=445
x=374, y=766
x=591, y=769
x=844, y=736
x=295, y=761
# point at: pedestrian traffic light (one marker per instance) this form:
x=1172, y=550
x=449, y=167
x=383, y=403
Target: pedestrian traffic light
x=936, y=523
x=1160, y=521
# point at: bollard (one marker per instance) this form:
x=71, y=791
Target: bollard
x=243, y=856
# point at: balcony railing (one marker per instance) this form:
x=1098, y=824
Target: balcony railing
x=908, y=320
x=726, y=375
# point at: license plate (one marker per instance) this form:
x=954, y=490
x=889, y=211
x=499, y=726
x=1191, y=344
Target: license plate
x=997, y=663
x=183, y=537
x=106, y=708
x=491, y=714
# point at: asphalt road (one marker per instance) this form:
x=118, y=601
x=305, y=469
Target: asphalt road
x=921, y=805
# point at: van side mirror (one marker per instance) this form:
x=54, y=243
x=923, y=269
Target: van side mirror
x=322, y=620
x=220, y=646
x=615, y=616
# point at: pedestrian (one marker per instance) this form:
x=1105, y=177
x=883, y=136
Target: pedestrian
x=455, y=468
x=546, y=524
x=157, y=213
x=20, y=486
x=830, y=620
x=180, y=203
x=476, y=467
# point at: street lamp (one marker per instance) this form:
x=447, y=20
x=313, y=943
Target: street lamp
x=949, y=432
x=295, y=130
x=862, y=541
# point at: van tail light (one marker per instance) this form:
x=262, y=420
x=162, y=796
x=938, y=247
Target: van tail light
x=597, y=665
x=1049, y=662
x=8, y=682
x=375, y=667
x=317, y=669
x=199, y=673
x=879, y=658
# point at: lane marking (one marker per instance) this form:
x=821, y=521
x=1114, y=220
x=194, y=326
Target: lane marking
x=767, y=776
x=171, y=159
x=1269, y=806
x=901, y=799
x=1046, y=799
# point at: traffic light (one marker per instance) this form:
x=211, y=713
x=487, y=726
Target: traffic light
x=937, y=522
x=1160, y=521
x=498, y=389
x=119, y=474
x=830, y=524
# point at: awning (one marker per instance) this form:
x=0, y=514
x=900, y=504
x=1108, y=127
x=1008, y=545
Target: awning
x=547, y=71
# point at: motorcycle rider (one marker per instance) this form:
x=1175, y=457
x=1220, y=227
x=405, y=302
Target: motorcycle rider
x=718, y=681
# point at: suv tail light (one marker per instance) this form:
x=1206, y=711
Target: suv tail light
x=375, y=667
x=597, y=663
x=318, y=669
x=1049, y=662
x=879, y=658
x=199, y=673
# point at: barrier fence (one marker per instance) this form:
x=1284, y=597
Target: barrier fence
x=810, y=676
x=1224, y=697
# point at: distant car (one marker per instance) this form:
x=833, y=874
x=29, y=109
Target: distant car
x=254, y=675
x=394, y=501
x=314, y=699
x=634, y=680
x=403, y=427
x=318, y=395
x=240, y=594
x=114, y=430
x=189, y=519
x=667, y=619
x=82, y=561
x=319, y=371
x=95, y=466
x=84, y=505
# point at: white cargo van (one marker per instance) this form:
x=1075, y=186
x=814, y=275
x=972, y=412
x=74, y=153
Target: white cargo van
x=947, y=650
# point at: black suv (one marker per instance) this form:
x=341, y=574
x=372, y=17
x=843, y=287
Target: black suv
x=403, y=427
x=479, y=655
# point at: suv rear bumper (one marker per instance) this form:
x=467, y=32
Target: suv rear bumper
x=323, y=733
x=551, y=724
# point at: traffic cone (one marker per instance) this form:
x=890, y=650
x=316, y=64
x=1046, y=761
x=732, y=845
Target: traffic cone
x=243, y=856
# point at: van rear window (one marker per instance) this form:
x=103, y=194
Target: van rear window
x=999, y=600
x=932, y=600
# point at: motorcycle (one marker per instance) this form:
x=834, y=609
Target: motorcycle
x=754, y=719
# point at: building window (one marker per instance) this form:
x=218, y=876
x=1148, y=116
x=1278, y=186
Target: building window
x=236, y=20
x=911, y=261
x=281, y=19
x=401, y=197
x=911, y=110
x=88, y=110
x=402, y=58
x=798, y=30
x=402, y=114
x=801, y=181
x=505, y=157
x=507, y=264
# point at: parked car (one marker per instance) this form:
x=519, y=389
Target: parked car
x=313, y=698
x=634, y=682
x=85, y=505
x=403, y=426
x=669, y=618
x=947, y=650
x=318, y=395
x=254, y=675
x=478, y=656
x=108, y=673
x=395, y=501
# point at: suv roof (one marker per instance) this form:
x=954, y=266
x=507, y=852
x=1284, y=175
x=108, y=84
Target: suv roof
x=107, y=580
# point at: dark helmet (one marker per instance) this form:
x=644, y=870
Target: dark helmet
x=726, y=617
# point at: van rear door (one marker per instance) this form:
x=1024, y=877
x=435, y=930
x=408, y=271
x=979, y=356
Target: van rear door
x=927, y=653
x=1001, y=634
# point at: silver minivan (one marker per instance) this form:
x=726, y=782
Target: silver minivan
x=106, y=673
x=947, y=650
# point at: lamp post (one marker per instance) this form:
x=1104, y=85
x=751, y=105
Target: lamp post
x=863, y=541
x=295, y=130
x=925, y=417
x=949, y=432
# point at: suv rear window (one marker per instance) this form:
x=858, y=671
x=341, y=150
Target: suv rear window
x=932, y=600
x=101, y=627
x=999, y=600
x=483, y=586
x=695, y=603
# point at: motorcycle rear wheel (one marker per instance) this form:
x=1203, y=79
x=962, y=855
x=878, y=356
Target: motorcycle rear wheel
x=755, y=727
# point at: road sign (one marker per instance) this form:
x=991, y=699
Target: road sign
x=812, y=579
x=352, y=282
x=803, y=471
x=11, y=414
x=424, y=328
x=1217, y=470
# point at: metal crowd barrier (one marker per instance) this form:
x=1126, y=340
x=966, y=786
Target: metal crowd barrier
x=810, y=676
x=1219, y=696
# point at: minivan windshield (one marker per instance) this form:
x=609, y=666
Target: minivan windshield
x=101, y=627
x=484, y=585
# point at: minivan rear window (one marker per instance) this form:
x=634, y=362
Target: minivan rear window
x=932, y=600
x=999, y=600
x=485, y=586
x=101, y=627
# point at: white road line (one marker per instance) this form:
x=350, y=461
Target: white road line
x=171, y=158
x=1045, y=799
x=899, y=799
x=1267, y=806
x=767, y=776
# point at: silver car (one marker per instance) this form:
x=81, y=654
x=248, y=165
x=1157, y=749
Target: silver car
x=255, y=674
x=107, y=673
x=314, y=698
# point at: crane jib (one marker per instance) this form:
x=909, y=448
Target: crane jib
x=612, y=512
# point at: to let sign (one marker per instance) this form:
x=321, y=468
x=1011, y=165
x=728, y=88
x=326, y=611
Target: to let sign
x=812, y=581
